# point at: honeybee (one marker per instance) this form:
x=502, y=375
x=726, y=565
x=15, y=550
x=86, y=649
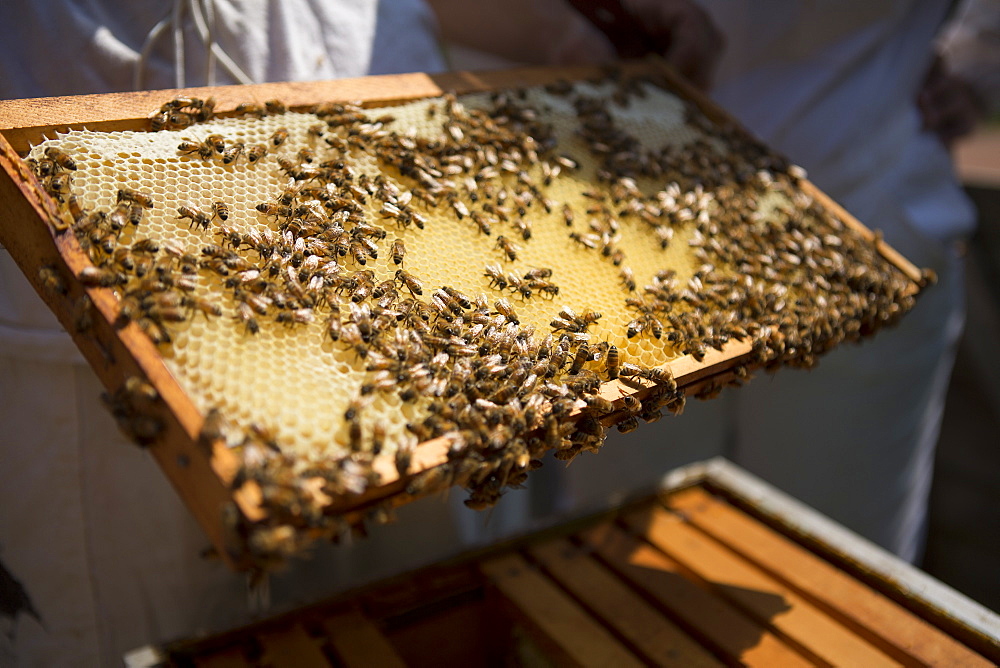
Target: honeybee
x=655, y=326
x=519, y=286
x=566, y=162
x=220, y=209
x=398, y=251
x=43, y=167
x=334, y=326
x=661, y=376
x=58, y=184
x=76, y=210
x=545, y=287
x=496, y=276
x=358, y=252
x=444, y=302
x=665, y=234
x=206, y=111
x=301, y=316
x=275, y=106
x=612, y=360
x=203, y=149
x=181, y=102
x=250, y=109
x=142, y=199
x=505, y=309
x=198, y=218
x=217, y=142
x=51, y=280
x=507, y=247
x=60, y=158
x=481, y=223
x=629, y=424
x=458, y=296
x=231, y=154
x=145, y=246
x=98, y=277
x=582, y=356
x=135, y=212
x=270, y=209
x=279, y=137
x=627, y=278
x=636, y=327
x=158, y=120
x=403, y=458
x=587, y=240
x=631, y=405
x=180, y=119
x=461, y=210
x=599, y=404
x=118, y=218
x=408, y=281
x=245, y=315
x=106, y=242
x=203, y=306
x=255, y=152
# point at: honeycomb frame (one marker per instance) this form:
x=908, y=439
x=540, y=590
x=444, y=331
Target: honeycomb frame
x=203, y=468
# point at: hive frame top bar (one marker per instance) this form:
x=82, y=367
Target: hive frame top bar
x=25, y=122
x=203, y=484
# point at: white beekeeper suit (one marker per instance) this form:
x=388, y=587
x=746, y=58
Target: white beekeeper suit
x=103, y=545
x=89, y=525
x=833, y=85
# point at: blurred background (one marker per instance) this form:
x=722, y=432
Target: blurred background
x=963, y=540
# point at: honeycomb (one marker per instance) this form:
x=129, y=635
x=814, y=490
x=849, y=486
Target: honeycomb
x=544, y=229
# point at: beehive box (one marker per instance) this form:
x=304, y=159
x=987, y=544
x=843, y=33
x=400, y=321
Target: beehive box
x=720, y=570
x=315, y=309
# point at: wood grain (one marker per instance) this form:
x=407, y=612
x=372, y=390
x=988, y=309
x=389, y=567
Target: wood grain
x=657, y=639
x=755, y=591
x=718, y=625
x=545, y=610
x=359, y=643
x=292, y=648
x=886, y=623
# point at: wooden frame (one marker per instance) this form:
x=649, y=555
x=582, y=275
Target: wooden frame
x=202, y=474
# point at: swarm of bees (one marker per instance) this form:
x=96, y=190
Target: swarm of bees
x=341, y=260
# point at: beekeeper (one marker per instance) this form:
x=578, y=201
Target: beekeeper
x=835, y=86
x=101, y=554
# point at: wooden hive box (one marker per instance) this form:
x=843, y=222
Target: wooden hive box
x=719, y=570
x=154, y=404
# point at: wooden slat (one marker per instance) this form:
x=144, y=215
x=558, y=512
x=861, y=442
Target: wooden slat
x=894, y=628
x=292, y=647
x=231, y=657
x=545, y=610
x=28, y=121
x=755, y=591
x=723, y=628
x=358, y=642
x=618, y=607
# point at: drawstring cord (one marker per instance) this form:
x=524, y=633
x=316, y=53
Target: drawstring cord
x=203, y=15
